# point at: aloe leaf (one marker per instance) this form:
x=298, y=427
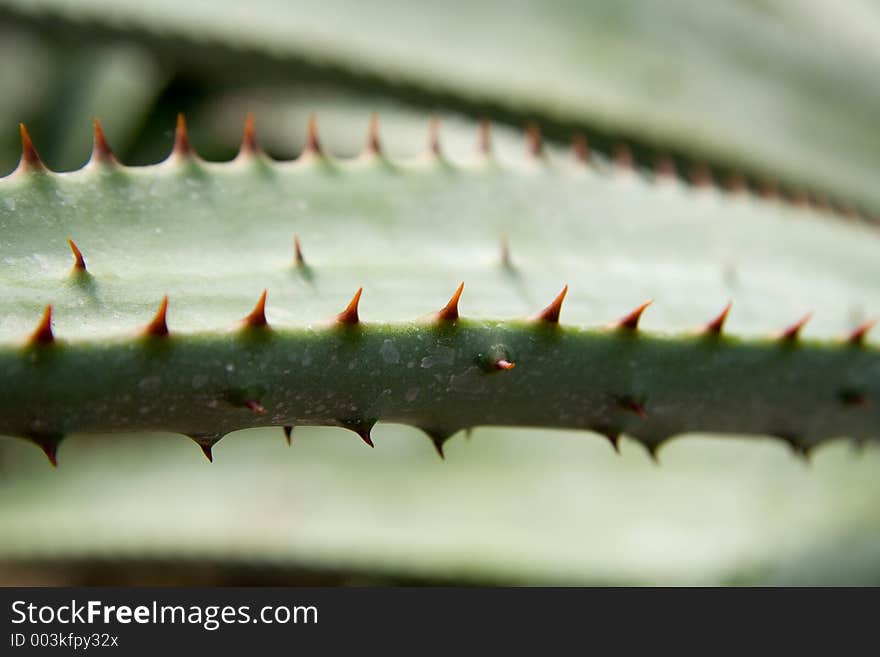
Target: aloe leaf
x=213, y=236
x=742, y=85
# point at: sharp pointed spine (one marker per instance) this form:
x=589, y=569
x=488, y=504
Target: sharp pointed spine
x=793, y=332
x=257, y=317
x=534, y=143
x=43, y=335
x=550, y=314
x=449, y=312
x=580, y=148
x=350, y=316
x=506, y=260
x=158, y=326
x=374, y=147
x=313, y=142
x=623, y=157
x=716, y=326
x=249, y=146
x=79, y=264
x=101, y=153
x=858, y=335
x=182, y=146
x=298, y=258
x=484, y=143
x=30, y=160
x=434, y=149
x=664, y=167
x=288, y=434
x=631, y=321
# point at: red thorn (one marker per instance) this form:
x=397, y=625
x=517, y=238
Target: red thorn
x=158, y=327
x=255, y=406
x=736, y=183
x=580, y=148
x=288, y=434
x=434, y=139
x=623, y=156
x=769, y=190
x=534, y=144
x=716, y=326
x=484, y=144
x=503, y=364
x=550, y=314
x=350, y=314
x=373, y=145
x=792, y=333
x=297, y=252
x=257, y=317
x=30, y=159
x=664, y=167
x=101, y=153
x=365, y=436
x=701, y=176
x=857, y=337
x=79, y=263
x=313, y=144
x=634, y=406
x=449, y=312
x=249, y=145
x=182, y=146
x=43, y=334
x=653, y=449
x=631, y=321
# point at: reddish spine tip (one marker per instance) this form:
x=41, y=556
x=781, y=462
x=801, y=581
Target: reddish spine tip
x=534, y=143
x=30, y=159
x=365, y=436
x=249, y=145
x=374, y=147
x=182, y=146
x=43, y=334
x=701, y=176
x=257, y=317
x=631, y=321
x=79, y=263
x=716, y=326
x=101, y=153
x=50, y=449
x=857, y=337
x=298, y=258
x=484, y=144
x=634, y=406
x=449, y=312
x=288, y=434
x=793, y=332
x=580, y=148
x=158, y=327
x=503, y=364
x=623, y=157
x=769, y=190
x=313, y=143
x=350, y=314
x=736, y=183
x=550, y=314
x=255, y=406
x=664, y=167
x=434, y=139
